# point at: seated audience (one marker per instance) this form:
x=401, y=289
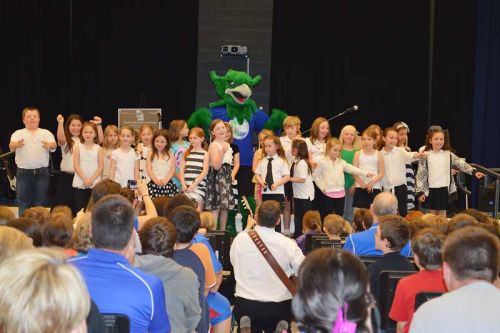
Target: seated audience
x=176, y=201
x=426, y=246
x=363, y=243
x=82, y=236
x=439, y=223
x=12, y=241
x=42, y=293
x=334, y=226
x=333, y=294
x=478, y=215
x=58, y=232
x=6, y=214
x=417, y=224
x=113, y=283
x=460, y=221
x=181, y=283
x=471, y=263
x=40, y=215
x=61, y=209
x=311, y=224
x=208, y=222
x=412, y=214
x=29, y=228
x=160, y=203
x=260, y=294
x=362, y=219
x=391, y=236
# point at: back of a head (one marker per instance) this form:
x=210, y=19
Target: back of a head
x=101, y=189
x=208, y=221
x=30, y=229
x=427, y=244
x=128, y=194
x=362, y=219
x=417, y=224
x=61, y=209
x=186, y=220
x=112, y=222
x=395, y=229
x=158, y=237
x=478, y=215
x=460, y=221
x=268, y=214
x=160, y=203
x=38, y=215
x=6, y=214
x=82, y=238
x=176, y=201
x=11, y=242
x=41, y=293
x=472, y=253
x=334, y=224
x=329, y=279
x=58, y=231
x=385, y=203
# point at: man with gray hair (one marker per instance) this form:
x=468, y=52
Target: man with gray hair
x=471, y=263
x=363, y=243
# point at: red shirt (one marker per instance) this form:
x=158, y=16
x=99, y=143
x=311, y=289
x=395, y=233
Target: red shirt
x=403, y=305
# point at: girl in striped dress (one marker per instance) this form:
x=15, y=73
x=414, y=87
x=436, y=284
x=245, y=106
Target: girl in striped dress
x=160, y=166
x=194, y=167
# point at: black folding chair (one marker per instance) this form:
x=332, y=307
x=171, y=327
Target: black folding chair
x=425, y=296
x=310, y=239
x=116, y=323
x=317, y=243
x=222, y=246
x=388, y=282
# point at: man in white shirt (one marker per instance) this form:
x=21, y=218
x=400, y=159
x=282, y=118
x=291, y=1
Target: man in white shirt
x=260, y=294
x=470, y=266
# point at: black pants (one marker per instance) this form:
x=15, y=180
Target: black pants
x=65, y=193
x=82, y=198
x=332, y=206
x=263, y=315
x=318, y=201
x=301, y=207
x=401, y=192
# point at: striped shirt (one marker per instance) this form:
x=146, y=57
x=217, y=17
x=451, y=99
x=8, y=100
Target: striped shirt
x=193, y=168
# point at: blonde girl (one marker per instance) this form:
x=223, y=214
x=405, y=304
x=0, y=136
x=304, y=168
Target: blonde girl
x=194, y=167
x=88, y=162
x=109, y=144
x=160, y=166
x=143, y=148
x=257, y=156
x=368, y=158
x=329, y=177
x=350, y=142
x=124, y=159
x=178, y=131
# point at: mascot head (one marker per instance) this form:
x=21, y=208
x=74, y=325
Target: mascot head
x=235, y=90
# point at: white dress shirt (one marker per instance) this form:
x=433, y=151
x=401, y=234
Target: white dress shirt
x=303, y=190
x=280, y=169
x=255, y=279
x=395, y=167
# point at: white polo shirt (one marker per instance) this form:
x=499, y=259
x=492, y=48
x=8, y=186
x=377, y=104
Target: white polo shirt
x=32, y=155
x=255, y=279
x=316, y=149
x=303, y=190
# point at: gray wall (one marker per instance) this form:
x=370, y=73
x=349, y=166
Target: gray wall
x=232, y=22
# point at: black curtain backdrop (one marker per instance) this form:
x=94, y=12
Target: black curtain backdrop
x=92, y=57
x=327, y=56
x=486, y=134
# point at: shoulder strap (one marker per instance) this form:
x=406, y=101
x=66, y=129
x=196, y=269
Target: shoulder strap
x=254, y=236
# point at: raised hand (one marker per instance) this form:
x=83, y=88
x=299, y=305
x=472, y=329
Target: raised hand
x=60, y=118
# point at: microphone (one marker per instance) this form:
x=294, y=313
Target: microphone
x=281, y=327
x=351, y=109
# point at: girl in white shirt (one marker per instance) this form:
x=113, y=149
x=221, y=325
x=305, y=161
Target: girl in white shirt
x=109, y=144
x=329, y=177
x=435, y=182
x=88, y=161
x=258, y=155
x=160, y=166
x=395, y=160
x=124, y=160
x=370, y=159
x=301, y=180
x=273, y=183
x=291, y=125
x=143, y=148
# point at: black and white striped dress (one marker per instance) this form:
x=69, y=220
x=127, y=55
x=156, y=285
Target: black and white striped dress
x=193, y=168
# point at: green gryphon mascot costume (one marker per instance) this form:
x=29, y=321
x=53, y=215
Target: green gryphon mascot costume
x=236, y=107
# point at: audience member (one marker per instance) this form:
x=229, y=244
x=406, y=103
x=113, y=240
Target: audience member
x=440, y=223
x=176, y=201
x=82, y=236
x=478, y=215
x=113, y=283
x=363, y=243
x=471, y=263
x=181, y=283
x=160, y=203
x=42, y=293
x=333, y=294
x=208, y=222
x=58, y=232
x=413, y=214
x=61, y=209
x=311, y=224
x=40, y=215
x=334, y=225
x=417, y=224
x=260, y=294
x=391, y=236
x=426, y=246
x=6, y=214
x=12, y=241
x=30, y=229
x=460, y=221
x=362, y=219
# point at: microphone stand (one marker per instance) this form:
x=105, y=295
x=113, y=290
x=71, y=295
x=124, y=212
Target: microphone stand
x=332, y=118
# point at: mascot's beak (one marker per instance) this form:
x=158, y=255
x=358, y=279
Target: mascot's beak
x=240, y=94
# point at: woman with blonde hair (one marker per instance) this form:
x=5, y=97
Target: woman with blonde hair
x=12, y=241
x=42, y=293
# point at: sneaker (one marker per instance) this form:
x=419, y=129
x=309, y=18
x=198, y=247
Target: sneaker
x=245, y=324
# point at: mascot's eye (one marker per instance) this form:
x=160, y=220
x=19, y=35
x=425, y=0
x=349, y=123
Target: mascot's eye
x=232, y=84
